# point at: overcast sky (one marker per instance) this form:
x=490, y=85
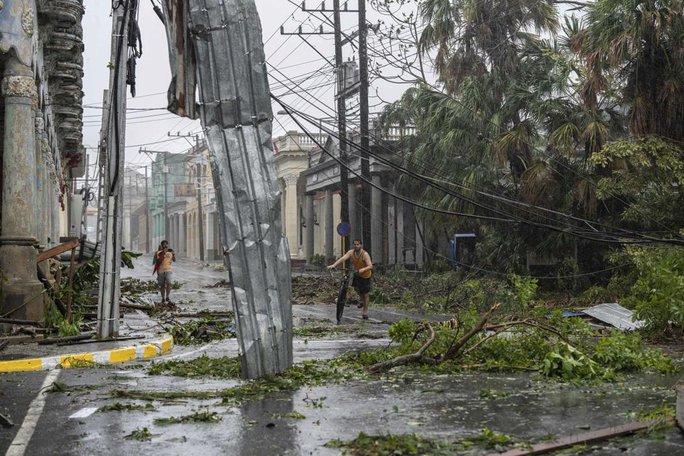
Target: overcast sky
x=288, y=53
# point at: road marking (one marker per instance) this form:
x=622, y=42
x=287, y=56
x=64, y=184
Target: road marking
x=21, y=440
x=186, y=354
x=83, y=413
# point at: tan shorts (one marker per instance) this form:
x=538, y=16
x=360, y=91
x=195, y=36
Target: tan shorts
x=164, y=278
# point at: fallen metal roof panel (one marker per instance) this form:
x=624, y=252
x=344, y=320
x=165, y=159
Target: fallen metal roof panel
x=615, y=315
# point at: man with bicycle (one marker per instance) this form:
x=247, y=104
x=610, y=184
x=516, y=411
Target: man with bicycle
x=363, y=267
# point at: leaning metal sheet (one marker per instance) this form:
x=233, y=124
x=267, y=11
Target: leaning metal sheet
x=236, y=114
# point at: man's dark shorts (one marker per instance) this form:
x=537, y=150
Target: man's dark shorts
x=362, y=286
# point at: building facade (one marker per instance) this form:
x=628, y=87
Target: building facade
x=41, y=151
x=292, y=159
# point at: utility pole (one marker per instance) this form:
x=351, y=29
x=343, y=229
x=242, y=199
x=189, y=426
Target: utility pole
x=130, y=210
x=200, y=212
x=102, y=167
x=365, y=143
x=341, y=124
x=110, y=259
x=165, y=173
x=343, y=93
x=147, y=214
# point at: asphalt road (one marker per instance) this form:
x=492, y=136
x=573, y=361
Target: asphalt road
x=66, y=421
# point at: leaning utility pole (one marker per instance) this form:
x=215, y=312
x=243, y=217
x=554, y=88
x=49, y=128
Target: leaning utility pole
x=110, y=257
x=341, y=124
x=365, y=143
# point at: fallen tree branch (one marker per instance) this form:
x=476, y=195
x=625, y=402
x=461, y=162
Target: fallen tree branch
x=417, y=357
x=528, y=322
x=453, y=351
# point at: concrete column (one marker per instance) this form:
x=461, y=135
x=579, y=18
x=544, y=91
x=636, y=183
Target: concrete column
x=291, y=213
x=18, y=252
x=209, y=236
x=337, y=239
x=41, y=181
x=329, y=225
x=376, y=221
x=182, y=234
x=309, y=232
x=391, y=230
x=354, y=219
x=400, y=232
x=218, y=250
x=54, y=215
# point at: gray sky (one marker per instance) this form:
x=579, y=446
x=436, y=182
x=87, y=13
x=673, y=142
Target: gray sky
x=290, y=54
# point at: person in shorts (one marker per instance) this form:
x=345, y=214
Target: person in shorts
x=363, y=267
x=163, y=262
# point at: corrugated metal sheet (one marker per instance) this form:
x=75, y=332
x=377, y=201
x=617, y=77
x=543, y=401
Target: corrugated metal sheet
x=615, y=315
x=235, y=110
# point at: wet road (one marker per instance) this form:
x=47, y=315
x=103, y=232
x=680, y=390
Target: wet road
x=445, y=407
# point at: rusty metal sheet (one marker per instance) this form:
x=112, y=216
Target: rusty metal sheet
x=181, y=93
x=615, y=315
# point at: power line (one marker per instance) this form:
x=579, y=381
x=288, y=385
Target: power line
x=604, y=236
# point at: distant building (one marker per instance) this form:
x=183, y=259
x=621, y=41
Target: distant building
x=395, y=233
x=292, y=159
x=135, y=190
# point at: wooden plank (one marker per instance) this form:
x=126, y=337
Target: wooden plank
x=577, y=439
x=58, y=250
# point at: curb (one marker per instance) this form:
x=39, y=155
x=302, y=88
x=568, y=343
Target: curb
x=90, y=359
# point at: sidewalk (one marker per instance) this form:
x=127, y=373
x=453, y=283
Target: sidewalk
x=150, y=341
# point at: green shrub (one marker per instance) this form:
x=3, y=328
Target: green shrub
x=626, y=352
x=657, y=296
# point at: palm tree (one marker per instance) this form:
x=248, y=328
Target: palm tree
x=641, y=43
x=480, y=41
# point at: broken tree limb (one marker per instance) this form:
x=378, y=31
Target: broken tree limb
x=58, y=340
x=417, y=357
x=16, y=321
x=453, y=351
x=130, y=305
x=583, y=438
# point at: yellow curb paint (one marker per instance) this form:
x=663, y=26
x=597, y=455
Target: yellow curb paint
x=121, y=355
x=21, y=365
x=166, y=344
x=117, y=355
x=150, y=351
x=77, y=360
